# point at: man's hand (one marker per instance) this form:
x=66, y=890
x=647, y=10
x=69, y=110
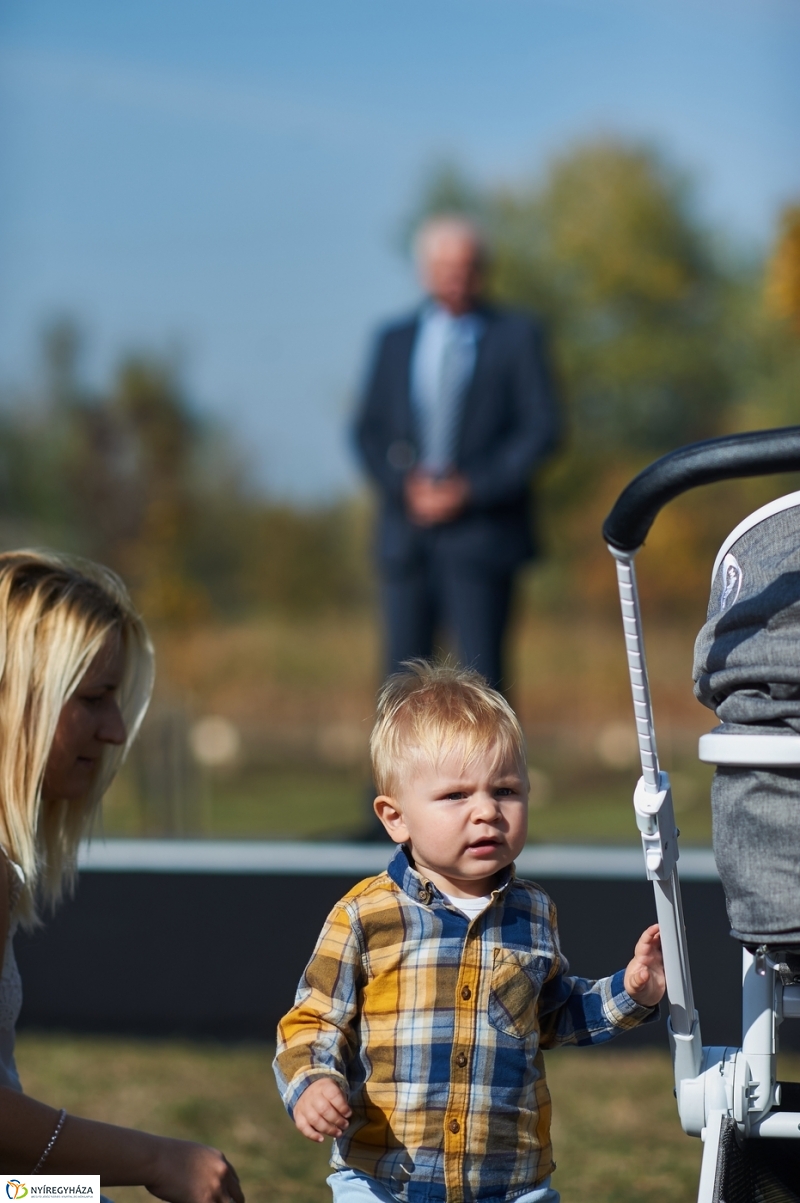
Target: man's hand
x=431, y=501
x=644, y=977
x=322, y=1110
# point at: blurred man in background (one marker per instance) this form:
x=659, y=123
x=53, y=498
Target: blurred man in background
x=457, y=415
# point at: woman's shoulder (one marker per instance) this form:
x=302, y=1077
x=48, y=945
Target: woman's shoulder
x=12, y=879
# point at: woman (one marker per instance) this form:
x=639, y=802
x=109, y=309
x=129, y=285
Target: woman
x=76, y=674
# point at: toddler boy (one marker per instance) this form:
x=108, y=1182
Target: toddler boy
x=417, y=1033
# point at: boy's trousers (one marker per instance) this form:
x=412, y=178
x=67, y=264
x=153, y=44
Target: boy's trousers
x=351, y=1186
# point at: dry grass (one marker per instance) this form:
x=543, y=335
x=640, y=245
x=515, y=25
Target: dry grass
x=277, y=671
x=615, y=1127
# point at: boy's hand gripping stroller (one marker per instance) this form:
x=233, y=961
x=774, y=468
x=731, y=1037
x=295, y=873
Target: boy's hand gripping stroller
x=728, y=1096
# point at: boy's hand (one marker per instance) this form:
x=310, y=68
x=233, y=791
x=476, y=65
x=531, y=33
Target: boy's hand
x=644, y=977
x=322, y=1110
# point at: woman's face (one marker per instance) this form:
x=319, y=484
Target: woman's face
x=89, y=721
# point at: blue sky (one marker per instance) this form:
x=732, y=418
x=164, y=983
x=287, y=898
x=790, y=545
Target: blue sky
x=230, y=177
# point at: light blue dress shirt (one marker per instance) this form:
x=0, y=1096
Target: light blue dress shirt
x=442, y=364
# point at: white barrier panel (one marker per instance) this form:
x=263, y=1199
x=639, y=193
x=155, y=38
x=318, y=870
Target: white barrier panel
x=546, y=861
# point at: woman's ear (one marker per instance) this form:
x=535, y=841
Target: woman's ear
x=390, y=815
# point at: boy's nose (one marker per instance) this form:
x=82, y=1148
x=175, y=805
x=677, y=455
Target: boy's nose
x=485, y=806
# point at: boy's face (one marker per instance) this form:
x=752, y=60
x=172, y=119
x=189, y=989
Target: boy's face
x=464, y=823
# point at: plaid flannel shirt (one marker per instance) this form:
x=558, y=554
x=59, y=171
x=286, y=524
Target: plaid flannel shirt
x=434, y=1027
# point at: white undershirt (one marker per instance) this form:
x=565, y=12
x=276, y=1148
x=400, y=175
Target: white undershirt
x=468, y=906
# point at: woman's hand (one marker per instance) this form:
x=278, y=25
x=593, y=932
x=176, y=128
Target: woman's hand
x=178, y=1171
x=185, y=1172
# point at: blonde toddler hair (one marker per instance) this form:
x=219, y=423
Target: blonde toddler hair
x=429, y=709
x=55, y=614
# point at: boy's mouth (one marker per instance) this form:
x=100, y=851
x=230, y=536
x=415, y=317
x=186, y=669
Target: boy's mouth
x=484, y=845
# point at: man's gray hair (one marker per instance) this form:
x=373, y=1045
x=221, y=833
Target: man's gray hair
x=445, y=225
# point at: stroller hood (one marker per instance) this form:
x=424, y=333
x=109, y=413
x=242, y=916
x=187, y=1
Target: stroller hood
x=747, y=656
x=747, y=669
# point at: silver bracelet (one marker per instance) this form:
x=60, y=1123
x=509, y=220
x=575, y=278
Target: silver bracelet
x=49, y=1146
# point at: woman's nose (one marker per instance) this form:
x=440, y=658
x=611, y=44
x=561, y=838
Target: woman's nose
x=112, y=728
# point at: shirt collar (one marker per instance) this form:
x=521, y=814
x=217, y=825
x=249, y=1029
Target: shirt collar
x=403, y=874
x=470, y=323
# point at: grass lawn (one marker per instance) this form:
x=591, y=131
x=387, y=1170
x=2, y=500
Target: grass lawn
x=616, y=1132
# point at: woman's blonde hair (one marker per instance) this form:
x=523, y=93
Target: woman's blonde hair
x=430, y=709
x=55, y=614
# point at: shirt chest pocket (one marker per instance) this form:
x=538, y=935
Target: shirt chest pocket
x=517, y=980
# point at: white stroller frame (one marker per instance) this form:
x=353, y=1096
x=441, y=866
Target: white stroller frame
x=717, y=1085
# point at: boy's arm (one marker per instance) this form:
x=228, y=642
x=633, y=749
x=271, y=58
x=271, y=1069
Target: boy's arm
x=316, y=1037
x=577, y=1010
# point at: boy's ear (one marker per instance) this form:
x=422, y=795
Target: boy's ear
x=389, y=814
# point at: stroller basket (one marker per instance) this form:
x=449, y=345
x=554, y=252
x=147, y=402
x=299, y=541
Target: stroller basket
x=747, y=1170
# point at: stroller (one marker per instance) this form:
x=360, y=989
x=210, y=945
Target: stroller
x=748, y=669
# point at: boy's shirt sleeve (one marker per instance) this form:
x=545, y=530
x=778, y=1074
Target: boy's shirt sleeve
x=316, y=1037
x=577, y=1010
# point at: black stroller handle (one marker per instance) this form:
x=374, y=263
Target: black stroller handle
x=756, y=453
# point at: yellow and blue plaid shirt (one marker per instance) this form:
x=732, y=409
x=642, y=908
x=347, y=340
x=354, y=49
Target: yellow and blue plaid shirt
x=434, y=1027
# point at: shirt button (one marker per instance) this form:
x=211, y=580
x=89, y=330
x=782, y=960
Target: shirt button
x=461, y=1060
x=466, y=993
x=454, y=1125
x=422, y=894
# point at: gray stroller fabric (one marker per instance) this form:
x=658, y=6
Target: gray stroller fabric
x=747, y=669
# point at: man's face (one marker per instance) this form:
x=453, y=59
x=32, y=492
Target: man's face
x=450, y=270
x=465, y=823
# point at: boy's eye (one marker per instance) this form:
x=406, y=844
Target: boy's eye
x=455, y=796
x=506, y=791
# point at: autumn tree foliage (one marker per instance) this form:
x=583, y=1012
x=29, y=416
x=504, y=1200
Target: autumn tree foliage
x=783, y=269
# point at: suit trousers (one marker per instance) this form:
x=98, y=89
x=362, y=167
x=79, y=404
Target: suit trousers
x=468, y=604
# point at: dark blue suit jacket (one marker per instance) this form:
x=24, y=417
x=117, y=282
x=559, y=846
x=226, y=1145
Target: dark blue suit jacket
x=509, y=425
